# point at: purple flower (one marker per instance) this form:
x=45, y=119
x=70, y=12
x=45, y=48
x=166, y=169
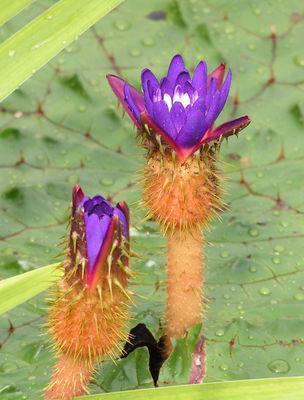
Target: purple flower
x=181, y=109
x=97, y=229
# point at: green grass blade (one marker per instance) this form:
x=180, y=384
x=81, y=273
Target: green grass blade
x=20, y=288
x=254, y=389
x=44, y=37
x=10, y=8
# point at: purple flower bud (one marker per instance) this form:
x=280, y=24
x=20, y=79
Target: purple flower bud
x=98, y=231
x=181, y=109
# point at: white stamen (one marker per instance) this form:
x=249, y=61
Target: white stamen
x=168, y=100
x=183, y=98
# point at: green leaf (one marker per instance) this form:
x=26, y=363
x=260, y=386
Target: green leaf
x=11, y=8
x=63, y=127
x=20, y=288
x=254, y=389
x=39, y=41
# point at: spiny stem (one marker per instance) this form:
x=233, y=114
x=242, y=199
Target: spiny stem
x=71, y=378
x=184, y=281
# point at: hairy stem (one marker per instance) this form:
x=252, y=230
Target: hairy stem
x=70, y=378
x=184, y=281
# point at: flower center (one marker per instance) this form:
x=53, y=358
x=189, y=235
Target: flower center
x=180, y=96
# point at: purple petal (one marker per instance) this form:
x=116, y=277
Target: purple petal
x=228, y=128
x=166, y=87
x=199, y=104
x=175, y=68
x=149, y=85
x=225, y=90
x=123, y=220
x=199, y=80
x=210, y=92
x=178, y=115
x=182, y=79
x=148, y=76
x=131, y=103
x=96, y=230
x=192, y=132
x=213, y=110
x=102, y=209
x=162, y=118
x=117, y=85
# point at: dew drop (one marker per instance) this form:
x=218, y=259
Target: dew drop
x=82, y=108
x=135, y=53
x=251, y=46
x=11, y=53
x=299, y=296
x=224, y=367
x=225, y=254
x=148, y=42
x=264, y=291
x=257, y=11
x=220, y=332
x=276, y=260
x=121, y=26
x=252, y=269
x=299, y=60
x=279, y=248
x=229, y=29
x=106, y=182
x=279, y=366
x=150, y=263
x=253, y=232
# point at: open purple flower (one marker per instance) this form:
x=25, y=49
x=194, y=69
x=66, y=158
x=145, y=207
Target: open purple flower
x=181, y=109
x=97, y=230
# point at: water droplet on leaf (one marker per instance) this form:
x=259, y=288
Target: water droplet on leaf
x=299, y=60
x=122, y=26
x=279, y=366
x=224, y=367
x=253, y=232
x=264, y=291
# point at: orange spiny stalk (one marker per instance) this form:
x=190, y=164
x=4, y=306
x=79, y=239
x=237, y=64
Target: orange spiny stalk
x=183, y=198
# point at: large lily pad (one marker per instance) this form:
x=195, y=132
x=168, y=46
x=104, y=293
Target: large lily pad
x=63, y=127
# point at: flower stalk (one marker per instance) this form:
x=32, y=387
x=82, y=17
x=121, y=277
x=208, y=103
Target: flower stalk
x=181, y=184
